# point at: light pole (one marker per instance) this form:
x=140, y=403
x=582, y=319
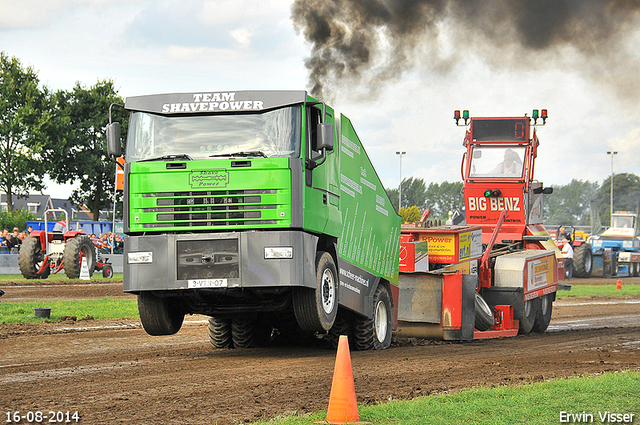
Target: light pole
x=400, y=188
x=612, y=153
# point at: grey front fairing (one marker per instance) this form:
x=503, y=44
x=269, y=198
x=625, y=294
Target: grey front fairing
x=226, y=260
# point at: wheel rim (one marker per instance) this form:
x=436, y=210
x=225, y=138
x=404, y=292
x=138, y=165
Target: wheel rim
x=587, y=263
x=527, y=308
x=328, y=291
x=381, y=321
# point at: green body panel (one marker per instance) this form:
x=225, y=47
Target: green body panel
x=370, y=234
x=209, y=195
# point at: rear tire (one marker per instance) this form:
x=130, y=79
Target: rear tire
x=159, y=315
x=316, y=309
x=75, y=249
x=31, y=258
x=375, y=333
x=543, y=314
x=484, y=315
x=343, y=325
x=220, y=332
x=531, y=308
x=583, y=260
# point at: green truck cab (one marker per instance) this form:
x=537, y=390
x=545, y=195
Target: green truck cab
x=259, y=209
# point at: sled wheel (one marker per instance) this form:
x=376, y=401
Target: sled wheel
x=159, y=315
x=543, y=314
x=75, y=250
x=31, y=259
x=316, y=308
x=484, y=316
x=528, y=316
x=220, y=332
x=107, y=271
x=375, y=333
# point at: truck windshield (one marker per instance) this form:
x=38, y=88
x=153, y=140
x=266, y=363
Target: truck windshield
x=274, y=133
x=496, y=161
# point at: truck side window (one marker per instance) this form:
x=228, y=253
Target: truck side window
x=314, y=117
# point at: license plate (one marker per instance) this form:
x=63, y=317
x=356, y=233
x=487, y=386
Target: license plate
x=207, y=283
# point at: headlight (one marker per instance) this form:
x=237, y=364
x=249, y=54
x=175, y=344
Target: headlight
x=139, y=257
x=278, y=252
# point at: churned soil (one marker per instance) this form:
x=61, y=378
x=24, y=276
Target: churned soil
x=113, y=372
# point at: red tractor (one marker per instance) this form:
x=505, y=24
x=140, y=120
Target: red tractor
x=44, y=252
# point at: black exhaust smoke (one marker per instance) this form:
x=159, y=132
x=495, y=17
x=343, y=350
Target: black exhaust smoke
x=372, y=42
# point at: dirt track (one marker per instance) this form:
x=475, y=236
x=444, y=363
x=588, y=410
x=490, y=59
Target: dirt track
x=113, y=372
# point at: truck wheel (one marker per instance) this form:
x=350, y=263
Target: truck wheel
x=375, y=333
x=583, y=260
x=316, y=309
x=528, y=316
x=107, y=271
x=636, y=269
x=484, y=315
x=343, y=325
x=75, y=249
x=220, y=332
x=159, y=315
x=249, y=332
x=543, y=314
x=31, y=258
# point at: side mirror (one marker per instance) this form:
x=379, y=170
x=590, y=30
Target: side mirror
x=325, y=137
x=114, y=148
x=547, y=190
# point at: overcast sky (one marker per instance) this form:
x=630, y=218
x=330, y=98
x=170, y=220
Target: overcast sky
x=219, y=45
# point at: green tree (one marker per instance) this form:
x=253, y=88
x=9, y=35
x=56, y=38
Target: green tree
x=413, y=193
x=626, y=195
x=17, y=218
x=25, y=127
x=410, y=215
x=569, y=204
x=444, y=197
x=81, y=155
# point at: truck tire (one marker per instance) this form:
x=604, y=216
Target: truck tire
x=484, y=315
x=247, y=332
x=316, y=309
x=531, y=308
x=159, y=315
x=375, y=333
x=543, y=314
x=343, y=325
x=75, y=249
x=31, y=258
x=220, y=332
x=583, y=260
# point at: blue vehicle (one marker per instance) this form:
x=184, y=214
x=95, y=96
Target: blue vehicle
x=616, y=252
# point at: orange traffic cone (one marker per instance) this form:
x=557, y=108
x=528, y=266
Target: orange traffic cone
x=618, y=284
x=343, y=407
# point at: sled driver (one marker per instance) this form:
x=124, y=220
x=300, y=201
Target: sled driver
x=512, y=164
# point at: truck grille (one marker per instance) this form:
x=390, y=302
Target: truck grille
x=211, y=208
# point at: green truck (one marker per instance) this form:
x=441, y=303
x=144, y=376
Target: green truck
x=261, y=210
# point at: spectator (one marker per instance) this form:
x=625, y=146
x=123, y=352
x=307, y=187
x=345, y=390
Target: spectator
x=119, y=245
x=567, y=253
x=4, y=241
x=13, y=240
x=29, y=229
x=23, y=236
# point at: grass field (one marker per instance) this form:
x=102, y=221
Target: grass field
x=541, y=403
x=117, y=277
x=105, y=308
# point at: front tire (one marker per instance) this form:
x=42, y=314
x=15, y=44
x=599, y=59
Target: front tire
x=484, y=315
x=159, y=315
x=375, y=333
x=316, y=308
x=107, y=271
x=220, y=332
x=75, y=249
